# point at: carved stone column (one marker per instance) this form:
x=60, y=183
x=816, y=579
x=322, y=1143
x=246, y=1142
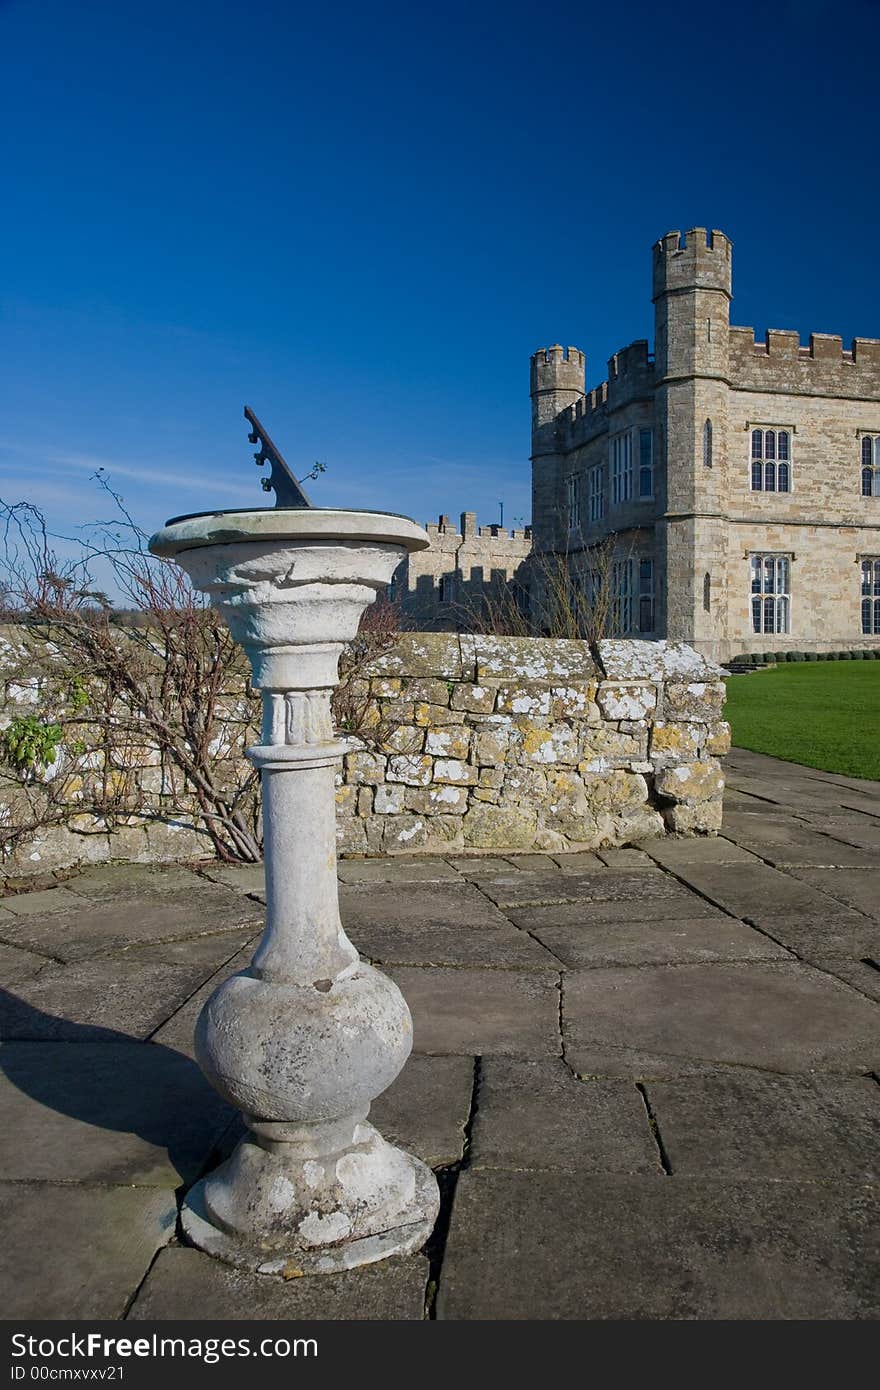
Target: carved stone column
x=304, y=1039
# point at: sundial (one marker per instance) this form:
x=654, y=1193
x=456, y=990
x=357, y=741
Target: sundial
x=281, y=481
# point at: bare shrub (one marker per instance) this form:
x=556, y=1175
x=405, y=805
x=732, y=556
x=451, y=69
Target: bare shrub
x=164, y=683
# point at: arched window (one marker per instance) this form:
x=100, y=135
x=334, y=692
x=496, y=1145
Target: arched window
x=707, y=591
x=707, y=444
x=871, y=465
x=771, y=461
x=871, y=596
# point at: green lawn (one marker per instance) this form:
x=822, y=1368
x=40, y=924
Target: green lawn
x=822, y=714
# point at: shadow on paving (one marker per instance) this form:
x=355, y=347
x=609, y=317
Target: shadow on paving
x=106, y=1081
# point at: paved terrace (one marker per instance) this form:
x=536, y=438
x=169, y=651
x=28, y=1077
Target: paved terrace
x=644, y=1075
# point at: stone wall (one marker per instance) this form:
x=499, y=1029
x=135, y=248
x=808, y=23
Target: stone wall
x=448, y=584
x=484, y=742
x=464, y=742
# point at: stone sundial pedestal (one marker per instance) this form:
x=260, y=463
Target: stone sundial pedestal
x=305, y=1038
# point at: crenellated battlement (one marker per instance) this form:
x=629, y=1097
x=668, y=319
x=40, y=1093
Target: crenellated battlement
x=699, y=259
x=823, y=365
x=630, y=376
x=443, y=529
x=557, y=368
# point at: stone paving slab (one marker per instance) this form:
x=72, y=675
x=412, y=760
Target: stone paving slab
x=400, y=869
x=246, y=878
x=475, y=865
x=856, y=888
x=17, y=965
x=101, y=1000
x=386, y=908
x=514, y=1013
x=625, y=858
x=756, y=890
x=497, y=947
x=185, y=1284
x=107, y=927
x=672, y=852
x=41, y=903
x=578, y=862
x=73, y=1252
x=861, y=831
x=525, y=889
x=427, y=1108
x=560, y=1245
x=178, y=1031
x=839, y=933
x=684, y=906
x=106, y=882
x=676, y=1019
x=818, y=1127
x=785, y=842
x=863, y=975
x=647, y=942
x=537, y=1115
x=123, y=1113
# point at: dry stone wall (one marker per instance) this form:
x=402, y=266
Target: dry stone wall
x=476, y=742
x=463, y=742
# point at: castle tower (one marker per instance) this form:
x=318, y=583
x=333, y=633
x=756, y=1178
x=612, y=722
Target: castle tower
x=557, y=380
x=692, y=292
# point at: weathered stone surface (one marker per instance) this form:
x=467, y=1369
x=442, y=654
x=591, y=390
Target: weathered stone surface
x=530, y=659
x=652, y=942
x=421, y=654
x=856, y=888
x=451, y=945
x=454, y=771
x=624, y=858
x=701, y=701
x=537, y=1115
x=784, y=1127
x=632, y=701
x=624, y=659
x=428, y=870
x=106, y=882
x=672, y=853
x=427, y=1108
x=785, y=843
x=674, y=743
x=560, y=1245
x=680, y=1019
x=758, y=893
x=532, y=887
x=476, y=699
x=701, y=780
x=597, y=912
x=863, y=975
x=76, y=1252
x=247, y=878
x=839, y=932
x=105, y=998
x=698, y=818
x=479, y=1012
x=445, y=798
x=113, y=1113
x=17, y=965
x=101, y=928
x=452, y=741
x=491, y=827
x=414, y=770
x=40, y=904
x=185, y=1284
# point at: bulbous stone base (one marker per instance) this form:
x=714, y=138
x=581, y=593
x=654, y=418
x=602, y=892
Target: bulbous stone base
x=274, y=1210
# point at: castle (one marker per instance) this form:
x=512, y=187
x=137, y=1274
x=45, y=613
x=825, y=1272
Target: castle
x=465, y=570
x=736, y=482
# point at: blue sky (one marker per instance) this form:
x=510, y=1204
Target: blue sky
x=362, y=220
